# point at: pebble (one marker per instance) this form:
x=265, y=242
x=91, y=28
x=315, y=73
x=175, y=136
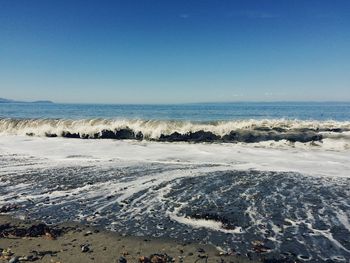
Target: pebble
x=200, y=250
x=6, y=252
x=122, y=260
x=14, y=260
x=85, y=248
x=88, y=233
x=161, y=258
x=144, y=259
x=202, y=256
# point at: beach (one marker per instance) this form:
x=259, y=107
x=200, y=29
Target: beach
x=73, y=242
x=175, y=131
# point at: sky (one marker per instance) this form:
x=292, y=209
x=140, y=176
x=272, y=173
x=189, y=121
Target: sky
x=180, y=51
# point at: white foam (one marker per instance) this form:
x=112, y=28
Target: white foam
x=153, y=128
x=204, y=223
x=343, y=218
x=106, y=154
x=314, y=161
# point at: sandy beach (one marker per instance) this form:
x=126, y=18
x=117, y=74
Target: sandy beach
x=29, y=241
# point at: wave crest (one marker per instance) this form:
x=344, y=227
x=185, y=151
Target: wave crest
x=159, y=130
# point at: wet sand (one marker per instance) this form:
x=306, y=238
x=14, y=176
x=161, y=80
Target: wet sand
x=22, y=241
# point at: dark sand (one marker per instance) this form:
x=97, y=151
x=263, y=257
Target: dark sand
x=100, y=245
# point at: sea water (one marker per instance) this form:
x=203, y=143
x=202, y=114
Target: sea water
x=339, y=111
x=262, y=194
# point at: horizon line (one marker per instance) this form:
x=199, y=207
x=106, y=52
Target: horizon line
x=180, y=103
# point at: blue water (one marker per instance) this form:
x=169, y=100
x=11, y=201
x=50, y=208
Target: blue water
x=193, y=112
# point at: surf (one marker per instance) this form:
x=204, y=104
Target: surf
x=246, y=131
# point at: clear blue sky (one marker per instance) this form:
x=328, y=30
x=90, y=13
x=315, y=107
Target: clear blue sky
x=174, y=51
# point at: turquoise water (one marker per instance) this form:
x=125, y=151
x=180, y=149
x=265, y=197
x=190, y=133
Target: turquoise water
x=193, y=112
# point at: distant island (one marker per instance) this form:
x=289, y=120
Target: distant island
x=2, y=100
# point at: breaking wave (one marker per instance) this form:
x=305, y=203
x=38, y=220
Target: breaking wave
x=248, y=131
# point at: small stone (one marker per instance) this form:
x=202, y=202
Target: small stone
x=49, y=236
x=259, y=247
x=143, y=259
x=257, y=243
x=160, y=258
x=200, y=250
x=14, y=260
x=6, y=252
x=25, y=258
x=202, y=256
x=85, y=248
x=122, y=260
x=88, y=233
x=7, y=208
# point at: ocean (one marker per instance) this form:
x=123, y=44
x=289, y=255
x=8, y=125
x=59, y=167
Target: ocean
x=338, y=111
x=263, y=180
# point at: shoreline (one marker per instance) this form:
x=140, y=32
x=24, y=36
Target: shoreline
x=272, y=205
x=32, y=241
